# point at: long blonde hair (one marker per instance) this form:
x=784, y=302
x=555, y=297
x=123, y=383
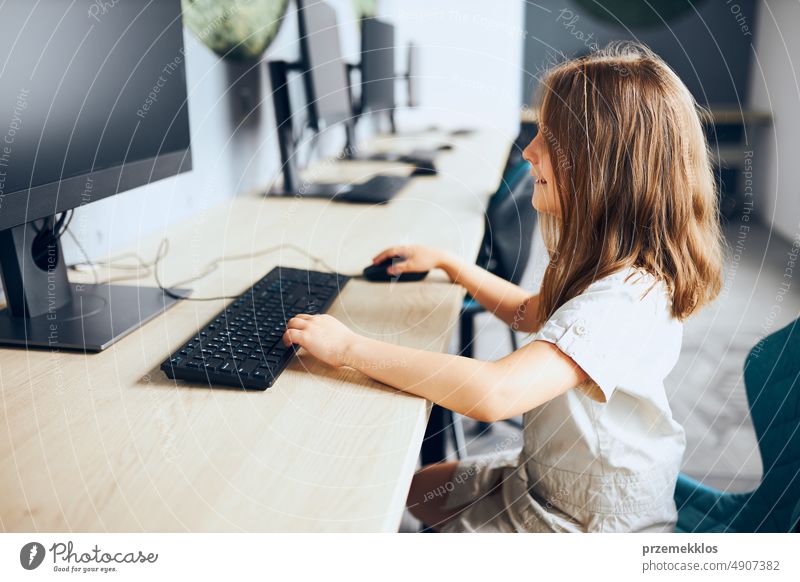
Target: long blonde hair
x=634, y=179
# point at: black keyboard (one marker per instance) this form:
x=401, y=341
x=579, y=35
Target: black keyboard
x=376, y=190
x=242, y=346
x=424, y=160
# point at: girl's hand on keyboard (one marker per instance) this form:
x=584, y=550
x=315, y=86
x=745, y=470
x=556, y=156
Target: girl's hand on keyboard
x=325, y=337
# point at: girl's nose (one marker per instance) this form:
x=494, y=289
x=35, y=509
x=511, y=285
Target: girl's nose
x=529, y=154
x=526, y=154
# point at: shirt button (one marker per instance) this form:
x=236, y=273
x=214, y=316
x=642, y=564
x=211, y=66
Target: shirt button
x=580, y=330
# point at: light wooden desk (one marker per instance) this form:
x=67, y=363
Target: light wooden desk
x=105, y=442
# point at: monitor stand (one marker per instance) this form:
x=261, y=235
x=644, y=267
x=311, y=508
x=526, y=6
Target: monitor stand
x=424, y=160
x=45, y=310
x=417, y=157
x=329, y=191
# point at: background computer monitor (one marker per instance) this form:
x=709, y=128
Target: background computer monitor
x=324, y=68
x=328, y=97
x=377, y=66
x=96, y=101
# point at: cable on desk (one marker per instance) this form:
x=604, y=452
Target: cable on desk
x=88, y=261
x=163, y=251
x=213, y=265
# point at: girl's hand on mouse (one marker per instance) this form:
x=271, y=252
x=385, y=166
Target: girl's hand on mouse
x=325, y=337
x=418, y=259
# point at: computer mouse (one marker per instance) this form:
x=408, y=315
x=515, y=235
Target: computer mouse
x=426, y=169
x=445, y=147
x=378, y=273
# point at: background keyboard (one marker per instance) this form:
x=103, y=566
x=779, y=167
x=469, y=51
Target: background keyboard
x=242, y=346
x=376, y=190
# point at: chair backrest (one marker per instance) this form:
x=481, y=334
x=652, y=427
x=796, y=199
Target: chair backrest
x=510, y=220
x=772, y=381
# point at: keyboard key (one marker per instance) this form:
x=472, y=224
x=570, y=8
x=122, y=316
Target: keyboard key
x=262, y=374
x=247, y=366
x=213, y=363
x=227, y=367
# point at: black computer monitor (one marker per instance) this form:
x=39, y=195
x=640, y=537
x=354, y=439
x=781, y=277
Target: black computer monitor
x=377, y=66
x=324, y=68
x=328, y=99
x=378, y=89
x=93, y=103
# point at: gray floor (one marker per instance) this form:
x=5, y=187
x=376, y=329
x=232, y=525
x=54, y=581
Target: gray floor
x=705, y=388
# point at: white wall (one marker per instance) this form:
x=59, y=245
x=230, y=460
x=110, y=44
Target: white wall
x=470, y=56
x=775, y=88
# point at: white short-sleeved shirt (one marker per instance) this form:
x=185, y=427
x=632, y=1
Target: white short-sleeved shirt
x=588, y=465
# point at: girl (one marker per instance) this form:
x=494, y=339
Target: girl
x=629, y=215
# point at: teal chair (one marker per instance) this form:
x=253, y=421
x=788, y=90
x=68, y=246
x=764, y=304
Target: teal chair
x=506, y=247
x=772, y=382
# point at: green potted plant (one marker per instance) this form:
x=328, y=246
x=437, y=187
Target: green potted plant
x=236, y=30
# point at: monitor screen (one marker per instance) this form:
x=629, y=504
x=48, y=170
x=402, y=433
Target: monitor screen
x=377, y=65
x=325, y=69
x=86, y=86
